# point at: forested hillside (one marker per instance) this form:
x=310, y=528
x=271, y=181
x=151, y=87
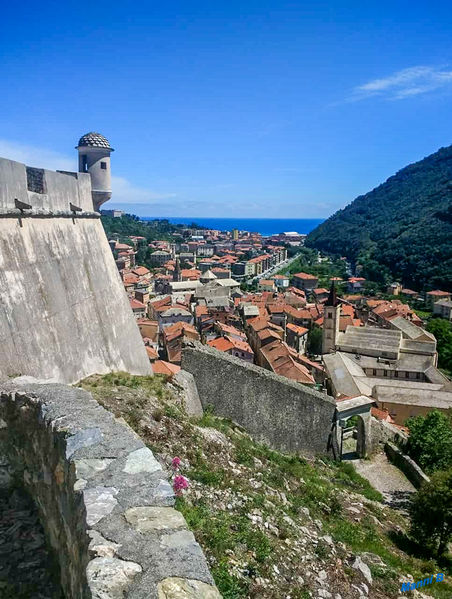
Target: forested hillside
x=401, y=229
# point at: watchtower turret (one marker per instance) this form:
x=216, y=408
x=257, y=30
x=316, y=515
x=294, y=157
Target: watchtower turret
x=94, y=158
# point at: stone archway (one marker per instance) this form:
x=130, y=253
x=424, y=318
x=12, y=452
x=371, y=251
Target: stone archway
x=360, y=407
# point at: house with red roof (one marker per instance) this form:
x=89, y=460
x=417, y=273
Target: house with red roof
x=235, y=347
x=174, y=336
x=304, y=281
x=434, y=296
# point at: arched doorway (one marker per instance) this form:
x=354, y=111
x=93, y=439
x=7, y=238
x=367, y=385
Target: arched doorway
x=353, y=427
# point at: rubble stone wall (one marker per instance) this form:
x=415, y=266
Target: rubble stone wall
x=285, y=415
x=384, y=432
x=408, y=466
x=104, y=501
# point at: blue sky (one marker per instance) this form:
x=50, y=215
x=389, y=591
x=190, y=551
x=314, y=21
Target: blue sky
x=251, y=109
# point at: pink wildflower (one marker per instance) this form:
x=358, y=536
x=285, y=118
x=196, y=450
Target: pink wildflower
x=176, y=463
x=180, y=484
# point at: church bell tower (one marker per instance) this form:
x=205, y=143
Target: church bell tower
x=331, y=318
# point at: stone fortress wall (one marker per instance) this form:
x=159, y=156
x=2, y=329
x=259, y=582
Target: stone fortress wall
x=285, y=415
x=104, y=501
x=64, y=313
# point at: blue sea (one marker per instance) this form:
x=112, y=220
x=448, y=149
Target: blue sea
x=264, y=226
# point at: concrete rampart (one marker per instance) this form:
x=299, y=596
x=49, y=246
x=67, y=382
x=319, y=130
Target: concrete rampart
x=412, y=471
x=275, y=410
x=104, y=501
x=64, y=313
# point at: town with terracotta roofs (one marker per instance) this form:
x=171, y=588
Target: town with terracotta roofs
x=241, y=293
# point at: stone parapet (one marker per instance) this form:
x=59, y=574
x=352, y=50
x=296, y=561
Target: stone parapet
x=408, y=466
x=105, y=502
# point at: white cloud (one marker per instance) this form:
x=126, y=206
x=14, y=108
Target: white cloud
x=405, y=83
x=36, y=156
x=123, y=190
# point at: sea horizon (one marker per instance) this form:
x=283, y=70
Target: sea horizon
x=264, y=226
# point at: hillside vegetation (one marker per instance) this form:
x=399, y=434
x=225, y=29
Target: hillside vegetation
x=272, y=526
x=401, y=229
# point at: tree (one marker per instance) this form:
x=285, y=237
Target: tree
x=442, y=329
x=431, y=513
x=314, y=343
x=430, y=441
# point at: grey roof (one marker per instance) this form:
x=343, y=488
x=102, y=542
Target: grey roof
x=185, y=285
x=410, y=330
x=370, y=341
x=445, y=302
x=342, y=372
x=94, y=140
x=208, y=275
x=348, y=377
x=416, y=397
x=227, y=283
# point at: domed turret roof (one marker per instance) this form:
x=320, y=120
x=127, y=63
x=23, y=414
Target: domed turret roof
x=94, y=140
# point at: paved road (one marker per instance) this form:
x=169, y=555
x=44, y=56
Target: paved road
x=386, y=478
x=271, y=271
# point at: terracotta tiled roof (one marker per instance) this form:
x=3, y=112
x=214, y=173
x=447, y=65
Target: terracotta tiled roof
x=162, y=367
x=438, y=293
x=136, y=305
x=178, y=329
x=305, y=276
x=277, y=354
x=141, y=271
x=296, y=329
x=151, y=352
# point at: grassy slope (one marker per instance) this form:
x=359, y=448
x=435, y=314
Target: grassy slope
x=270, y=524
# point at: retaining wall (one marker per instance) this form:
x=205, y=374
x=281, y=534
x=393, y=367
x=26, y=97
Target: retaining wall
x=275, y=410
x=412, y=471
x=384, y=432
x=103, y=498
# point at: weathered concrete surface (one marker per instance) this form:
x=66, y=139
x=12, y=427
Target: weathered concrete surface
x=104, y=501
x=59, y=189
x=281, y=413
x=64, y=313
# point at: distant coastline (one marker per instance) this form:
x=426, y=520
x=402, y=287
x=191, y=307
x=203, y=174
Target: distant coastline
x=264, y=226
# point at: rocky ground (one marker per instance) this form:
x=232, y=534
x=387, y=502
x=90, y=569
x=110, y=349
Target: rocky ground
x=272, y=526
x=27, y=570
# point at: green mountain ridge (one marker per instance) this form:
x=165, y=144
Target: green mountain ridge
x=401, y=229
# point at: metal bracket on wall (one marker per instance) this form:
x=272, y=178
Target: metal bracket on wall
x=21, y=206
x=74, y=209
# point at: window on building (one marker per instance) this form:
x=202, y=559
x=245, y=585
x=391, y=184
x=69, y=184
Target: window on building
x=396, y=374
x=407, y=374
x=103, y=165
x=385, y=373
x=418, y=375
x=330, y=315
x=374, y=372
x=84, y=163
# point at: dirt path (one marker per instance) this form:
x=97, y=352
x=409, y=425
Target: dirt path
x=386, y=478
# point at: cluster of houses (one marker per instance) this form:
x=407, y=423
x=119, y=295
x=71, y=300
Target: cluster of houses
x=369, y=347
